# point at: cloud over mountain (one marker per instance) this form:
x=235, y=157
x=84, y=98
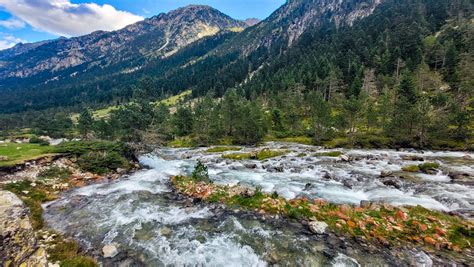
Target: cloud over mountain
x=7, y=41
x=62, y=17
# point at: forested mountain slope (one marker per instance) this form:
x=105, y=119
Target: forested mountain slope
x=38, y=67
x=321, y=68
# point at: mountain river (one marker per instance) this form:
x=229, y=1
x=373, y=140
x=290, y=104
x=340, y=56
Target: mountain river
x=153, y=226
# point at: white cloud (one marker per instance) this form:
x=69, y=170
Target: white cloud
x=12, y=24
x=62, y=17
x=7, y=41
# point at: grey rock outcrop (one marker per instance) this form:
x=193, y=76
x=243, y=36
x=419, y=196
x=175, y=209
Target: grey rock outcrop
x=17, y=237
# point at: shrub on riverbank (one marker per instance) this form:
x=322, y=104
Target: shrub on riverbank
x=99, y=157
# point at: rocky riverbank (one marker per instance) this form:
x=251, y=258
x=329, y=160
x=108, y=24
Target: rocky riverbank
x=447, y=238
x=25, y=238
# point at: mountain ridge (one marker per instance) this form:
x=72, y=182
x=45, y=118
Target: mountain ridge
x=160, y=35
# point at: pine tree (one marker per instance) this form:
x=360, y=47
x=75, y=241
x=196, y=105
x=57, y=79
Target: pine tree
x=85, y=123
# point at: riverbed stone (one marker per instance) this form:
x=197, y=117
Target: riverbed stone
x=318, y=227
x=110, y=251
x=165, y=231
x=344, y=158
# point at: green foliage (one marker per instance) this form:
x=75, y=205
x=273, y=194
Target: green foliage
x=411, y=168
x=85, y=122
x=20, y=153
x=79, y=148
x=102, y=162
x=220, y=149
x=99, y=157
x=426, y=167
x=36, y=140
x=68, y=253
x=200, y=173
x=33, y=197
x=259, y=155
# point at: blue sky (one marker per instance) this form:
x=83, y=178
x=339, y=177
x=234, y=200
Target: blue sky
x=35, y=20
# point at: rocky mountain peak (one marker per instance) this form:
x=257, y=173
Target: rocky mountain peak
x=158, y=36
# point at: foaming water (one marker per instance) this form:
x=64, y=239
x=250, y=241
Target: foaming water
x=142, y=215
x=329, y=178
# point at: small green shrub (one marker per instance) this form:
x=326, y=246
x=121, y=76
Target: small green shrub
x=102, y=162
x=200, y=173
x=36, y=140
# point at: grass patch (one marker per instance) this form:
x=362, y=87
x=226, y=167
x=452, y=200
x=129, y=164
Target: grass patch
x=68, y=254
x=183, y=142
x=12, y=154
x=259, y=155
x=333, y=154
x=54, y=173
x=33, y=197
x=425, y=167
x=428, y=166
x=223, y=149
x=411, y=168
x=173, y=100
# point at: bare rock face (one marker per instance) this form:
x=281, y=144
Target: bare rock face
x=17, y=238
x=158, y=36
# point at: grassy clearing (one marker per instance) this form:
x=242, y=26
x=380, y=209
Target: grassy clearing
x=219, y=149
x=12, y=154
x=172, y=101
x=376, y=222
x=259, y=155
x=104, y=113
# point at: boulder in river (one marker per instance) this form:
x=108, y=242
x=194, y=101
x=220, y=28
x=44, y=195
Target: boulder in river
x=412, y=158
x=317, y=227
x=345, y=158
x=110, y=251
x=391, y=181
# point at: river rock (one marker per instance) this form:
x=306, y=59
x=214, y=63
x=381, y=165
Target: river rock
x=109, y=251
x=412, y=158
x=344, y=158
x=460, y=177
x=317, y=227
x=392, y=181
x=250, y=165
x=17, y=238
x=386, y=173
x=165, y=231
